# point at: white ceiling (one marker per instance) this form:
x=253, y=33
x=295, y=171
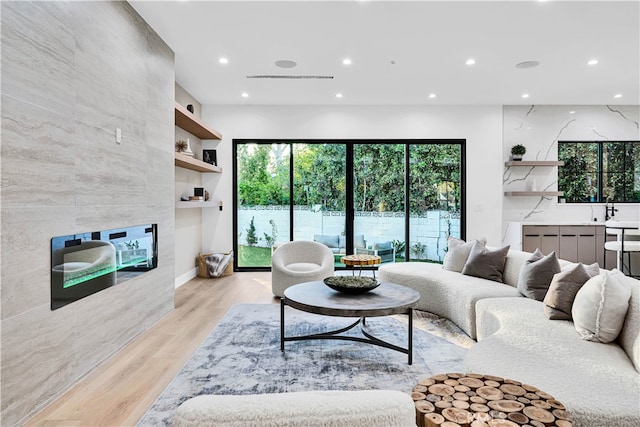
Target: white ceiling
x=427, y=41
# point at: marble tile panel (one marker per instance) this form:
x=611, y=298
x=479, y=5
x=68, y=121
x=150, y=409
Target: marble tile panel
x=108, y=173
x=37, y=359
x=37, y=155
x=109, y=319
x=26, y=259
x=38, y=53
x=90, y=218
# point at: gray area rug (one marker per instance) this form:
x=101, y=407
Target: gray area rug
x=242, y=356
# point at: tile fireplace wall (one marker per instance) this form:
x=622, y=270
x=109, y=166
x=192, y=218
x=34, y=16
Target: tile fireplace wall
x=73, y=72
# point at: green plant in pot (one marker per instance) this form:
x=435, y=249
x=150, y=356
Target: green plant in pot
x=517, y=151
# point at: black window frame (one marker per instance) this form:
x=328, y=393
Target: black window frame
x=350, y=143
x=600, y=195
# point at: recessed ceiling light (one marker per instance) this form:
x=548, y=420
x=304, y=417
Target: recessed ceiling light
x=592, y=62
x=244, y=95
x=470, y=61
x=338, y=95
x=223, y=60
x=527, y=64
x=572, y=112
x=285, y=63
x=346, y=61
x=432, y=95
x=617, y=95
x=525, y=95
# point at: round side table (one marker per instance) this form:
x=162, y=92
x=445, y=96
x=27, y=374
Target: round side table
x=454, y=399
x=361, y=261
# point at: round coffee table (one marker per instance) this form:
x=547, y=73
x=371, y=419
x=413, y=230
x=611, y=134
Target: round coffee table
x=361, y=260
x=385, y=300
x=484, y=400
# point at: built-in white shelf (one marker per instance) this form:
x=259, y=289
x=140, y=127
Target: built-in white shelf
x=535, y=193
x=549, y=163
x=189, y=162
x=199, y=204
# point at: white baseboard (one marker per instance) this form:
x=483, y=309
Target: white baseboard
x=184, y=278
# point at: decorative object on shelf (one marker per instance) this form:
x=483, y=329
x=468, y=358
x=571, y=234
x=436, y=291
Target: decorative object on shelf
x=206, y=196
x=187, y=151
x=196, y=198
x=184, y=198
x=198, y=191
x=209, y=156
x=517, y=151
x=351, y=285
x=190, y=108
x=181, y=146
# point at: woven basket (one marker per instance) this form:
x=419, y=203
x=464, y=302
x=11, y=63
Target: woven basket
x=203, y=271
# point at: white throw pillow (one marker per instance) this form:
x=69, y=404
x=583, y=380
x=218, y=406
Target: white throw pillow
x=458, y=253
x=600, y=307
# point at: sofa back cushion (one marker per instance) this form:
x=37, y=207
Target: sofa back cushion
x=629, y=338
x=513, y=265
x=330, y=240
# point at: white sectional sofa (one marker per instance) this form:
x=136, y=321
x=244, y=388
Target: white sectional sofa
x=598, y=383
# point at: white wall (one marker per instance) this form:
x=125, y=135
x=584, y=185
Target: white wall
x=188, y=221
x=481, y=126
x=539, y=128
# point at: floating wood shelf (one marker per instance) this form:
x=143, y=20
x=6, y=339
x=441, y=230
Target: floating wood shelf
x=199, y=204
x=189, y=162
x=187, y=121
x=534, y=163
x=535, y=193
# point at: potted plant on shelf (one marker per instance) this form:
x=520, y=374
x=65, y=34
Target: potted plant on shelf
x=517, y=151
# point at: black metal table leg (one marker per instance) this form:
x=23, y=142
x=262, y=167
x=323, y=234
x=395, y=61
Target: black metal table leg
x=282, y=304
x=410, y=346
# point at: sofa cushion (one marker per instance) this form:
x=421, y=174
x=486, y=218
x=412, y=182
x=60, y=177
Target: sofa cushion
x=458, y=252
x=600, y=307
x=516, y=340
x=536, y=274
x=330, y=240
x=383, y=246
x=486, y=263
x=562, y=291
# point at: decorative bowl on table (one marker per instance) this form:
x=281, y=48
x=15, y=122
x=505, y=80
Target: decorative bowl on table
x=351, y=285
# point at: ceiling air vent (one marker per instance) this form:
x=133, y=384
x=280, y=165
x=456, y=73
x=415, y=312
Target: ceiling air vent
x=284, y=76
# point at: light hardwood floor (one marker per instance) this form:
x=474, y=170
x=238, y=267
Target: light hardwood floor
x=119, y=391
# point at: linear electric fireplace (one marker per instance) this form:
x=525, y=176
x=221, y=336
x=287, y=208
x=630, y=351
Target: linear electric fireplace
x=86, y=263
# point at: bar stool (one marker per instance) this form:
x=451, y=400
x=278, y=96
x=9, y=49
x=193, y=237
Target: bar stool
x=622, y=245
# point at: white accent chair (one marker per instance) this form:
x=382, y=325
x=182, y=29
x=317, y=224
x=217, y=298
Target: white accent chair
x=298, y=262
x=623, y=229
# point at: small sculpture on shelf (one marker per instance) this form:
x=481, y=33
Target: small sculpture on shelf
x=184, y=147
x=517, y=151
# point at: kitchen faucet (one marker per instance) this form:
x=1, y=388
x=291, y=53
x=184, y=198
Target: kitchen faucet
x=608, y=209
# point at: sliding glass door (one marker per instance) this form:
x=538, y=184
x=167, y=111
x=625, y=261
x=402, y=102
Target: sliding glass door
x=379, y=199
x=397, y=199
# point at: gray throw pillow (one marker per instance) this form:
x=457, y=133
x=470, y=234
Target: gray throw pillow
x=536, y=275
x=457, y=253
x=562, y=291
x=601, y=306
x=486, y=263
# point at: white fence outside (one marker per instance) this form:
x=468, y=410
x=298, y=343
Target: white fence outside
x=430, y=230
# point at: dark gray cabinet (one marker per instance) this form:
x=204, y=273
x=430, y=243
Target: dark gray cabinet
x=576, y=243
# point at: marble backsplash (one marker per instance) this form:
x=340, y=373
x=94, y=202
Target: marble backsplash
x=539, y=128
